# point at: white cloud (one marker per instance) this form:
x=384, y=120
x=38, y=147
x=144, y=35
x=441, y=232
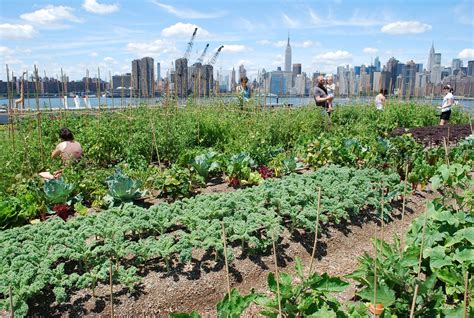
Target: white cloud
x=307, y=44
x=16, y=31
x=264, y=42
x=5, y=50
x=110, y=60
x=234, y=48
x=183, y=30
x=50, y=14
x=156, y=47
x=406, y=27
x=279, y=44
x=356, y=19
x=95, y=7
x=289, y=22
x=466, y=54
x=187, y=13
x=335, y=56
x=370, y=50
x=93, y=54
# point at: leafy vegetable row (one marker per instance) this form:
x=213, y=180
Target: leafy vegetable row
x=77, y=254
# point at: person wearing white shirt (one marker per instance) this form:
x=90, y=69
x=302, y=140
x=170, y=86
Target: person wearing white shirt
x=445, y=107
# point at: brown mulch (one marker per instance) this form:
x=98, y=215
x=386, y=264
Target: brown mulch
x=434, y=135
x=201, y=284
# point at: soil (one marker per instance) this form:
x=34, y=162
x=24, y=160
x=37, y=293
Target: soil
x=434, y=135
x=202, y=283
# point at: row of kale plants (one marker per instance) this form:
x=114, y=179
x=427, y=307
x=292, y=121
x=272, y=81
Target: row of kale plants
x=429, y=275
x=247, y=148
x=64, y=256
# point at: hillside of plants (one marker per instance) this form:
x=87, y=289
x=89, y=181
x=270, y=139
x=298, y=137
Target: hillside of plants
x=135, y=199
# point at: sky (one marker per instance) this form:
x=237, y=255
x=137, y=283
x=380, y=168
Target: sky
x=108, y=34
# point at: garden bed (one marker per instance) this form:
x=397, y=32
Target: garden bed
x=435, y=135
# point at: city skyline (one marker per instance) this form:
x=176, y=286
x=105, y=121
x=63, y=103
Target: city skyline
x=80, y=35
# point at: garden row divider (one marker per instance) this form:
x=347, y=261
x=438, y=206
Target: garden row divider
x=315, y=234
x=277, y=276
x=224, y=240
x=413, y=303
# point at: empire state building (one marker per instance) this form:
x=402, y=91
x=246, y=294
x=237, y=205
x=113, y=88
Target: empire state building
x=288, y=56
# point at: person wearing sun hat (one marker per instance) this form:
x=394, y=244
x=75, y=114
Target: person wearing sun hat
x=445, y=107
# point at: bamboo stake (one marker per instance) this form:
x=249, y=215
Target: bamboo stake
x=413, y=303
x=404, y=191
x=154, y=141
x=412, y=311
x=224, y=240
x=446, y=152
x=12, y=310
x=277, y=278
x=111, y=291
x=466, y=285
x=111, y=87
x=315, y=233
x=98, y=87
x=49, y=96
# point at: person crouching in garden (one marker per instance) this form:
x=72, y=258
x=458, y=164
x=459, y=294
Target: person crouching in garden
x=68, y=150
x=445, y=107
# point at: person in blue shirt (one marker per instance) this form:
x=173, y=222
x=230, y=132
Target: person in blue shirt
x=244, y=92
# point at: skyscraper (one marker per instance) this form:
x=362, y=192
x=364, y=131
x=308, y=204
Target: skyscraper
x=470, y=68
x=431, y=58
x=158, y=71
x=232, y=81
x=296, y=69
x=377, y=64
x=288, y=56
x=143, y=77
x=456, y=64
x=242, y=72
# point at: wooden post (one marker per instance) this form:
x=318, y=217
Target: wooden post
x=413, y=302
x=277, y=276
x=98, y=88
x=404, y=191
x=111, y=88
x=12, y=309
x=316, y=233
x=111, y=290
x=466, y=285
x=446, y=151
x=224, y=240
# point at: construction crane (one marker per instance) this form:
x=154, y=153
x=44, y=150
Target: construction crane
x=201, y=58
x=214, y=57
x=190, y=45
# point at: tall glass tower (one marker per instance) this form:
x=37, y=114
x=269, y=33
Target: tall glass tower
x=288, y=56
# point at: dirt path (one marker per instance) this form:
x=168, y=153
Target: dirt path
x=201, y=284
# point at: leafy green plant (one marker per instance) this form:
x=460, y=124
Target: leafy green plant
x=239, y=170
x=441, y=240
x=57, y=191
x=122, y=188
x=175, y=182
x=205, y=163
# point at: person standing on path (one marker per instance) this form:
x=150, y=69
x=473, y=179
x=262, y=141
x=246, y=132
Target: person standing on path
x=321, y=96
x=445, y=107
x=380, y=99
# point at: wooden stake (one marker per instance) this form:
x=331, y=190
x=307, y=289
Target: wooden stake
x=466, y=285
x=111, y=291
x=404, y=191
x=12, y=310
x=224, y=240
x=413, y=303
x=446, y=152
x=277, y=278
x=315, y=233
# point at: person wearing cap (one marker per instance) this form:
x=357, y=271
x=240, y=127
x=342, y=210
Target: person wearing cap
x=445, y=107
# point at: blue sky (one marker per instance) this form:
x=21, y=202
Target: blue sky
x=87, y=34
